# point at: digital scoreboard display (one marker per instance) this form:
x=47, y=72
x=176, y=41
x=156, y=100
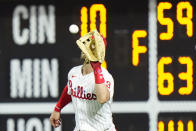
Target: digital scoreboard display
x=150, y=54
x=176, y=50
x=176, y=64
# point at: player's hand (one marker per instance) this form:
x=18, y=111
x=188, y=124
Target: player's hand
x=55, y=119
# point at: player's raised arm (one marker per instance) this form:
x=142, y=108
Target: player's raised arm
x=93, y=46
x=101, y=89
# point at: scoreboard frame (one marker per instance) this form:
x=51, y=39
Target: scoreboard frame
x=153, y=106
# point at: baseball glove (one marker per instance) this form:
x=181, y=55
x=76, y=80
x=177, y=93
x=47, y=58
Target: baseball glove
x=93, y=46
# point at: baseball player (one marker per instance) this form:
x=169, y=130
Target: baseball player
x=90, y=88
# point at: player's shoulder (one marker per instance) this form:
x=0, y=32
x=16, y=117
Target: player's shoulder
x=75, y=70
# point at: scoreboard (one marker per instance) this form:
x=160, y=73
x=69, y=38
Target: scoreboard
x=176, y=62
x=150, y=53
x=176, y=50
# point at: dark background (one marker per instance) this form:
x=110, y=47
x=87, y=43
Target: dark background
x=131, y=83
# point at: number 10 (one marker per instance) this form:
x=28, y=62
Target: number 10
x=93, y=14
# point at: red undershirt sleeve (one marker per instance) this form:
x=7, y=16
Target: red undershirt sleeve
x=64, y=100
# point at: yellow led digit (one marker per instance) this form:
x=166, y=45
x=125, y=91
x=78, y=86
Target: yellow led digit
x=188, y=76
x=186, y=20
x=161, y=126
x=84, y=20
x=180, y=126
x=165, y=76
x=135, y=45
x=165, y=21
x=171, y=125
x=93, y=14
x=190, y=126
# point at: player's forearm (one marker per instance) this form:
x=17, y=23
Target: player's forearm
x=102, y=93
x=64, y=100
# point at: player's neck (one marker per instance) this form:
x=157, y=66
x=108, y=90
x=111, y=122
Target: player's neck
x=86, y=69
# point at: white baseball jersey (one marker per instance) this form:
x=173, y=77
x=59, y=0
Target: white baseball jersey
x=90, y=115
